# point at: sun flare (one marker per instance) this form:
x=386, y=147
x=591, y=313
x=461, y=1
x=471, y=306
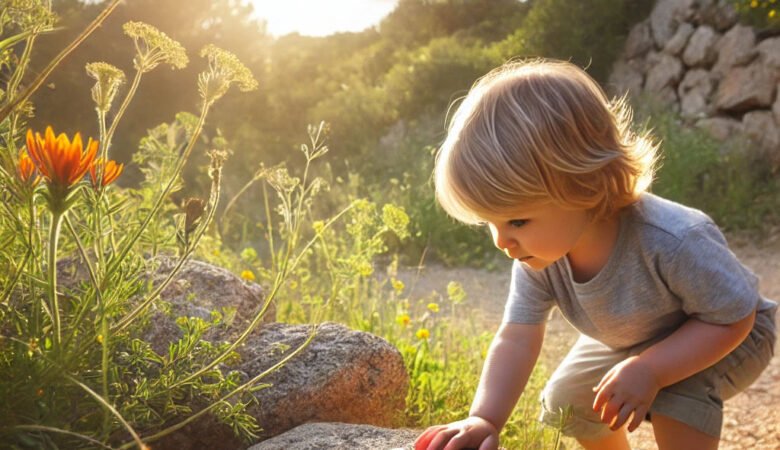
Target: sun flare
x=321, y=18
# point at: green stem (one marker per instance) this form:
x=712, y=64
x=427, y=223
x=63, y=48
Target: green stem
x=122, y=109
x=117, y=259
x=234, y=392
x=56, y=431
x=54, y=235
x=200, y=231
x=16, y=78
x=107, y=405
x=278, y=281
x=230, y=204
x=101, y=314
x=269, y=226
x=41, y=78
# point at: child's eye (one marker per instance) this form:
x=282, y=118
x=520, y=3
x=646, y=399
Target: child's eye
x=517, y=223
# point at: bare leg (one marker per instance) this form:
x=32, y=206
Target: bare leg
x=671, y=434
x=613, y=441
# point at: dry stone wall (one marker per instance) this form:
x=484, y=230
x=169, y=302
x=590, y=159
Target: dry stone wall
x=696, y=59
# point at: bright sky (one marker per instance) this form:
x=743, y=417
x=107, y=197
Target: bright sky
x=321, y=17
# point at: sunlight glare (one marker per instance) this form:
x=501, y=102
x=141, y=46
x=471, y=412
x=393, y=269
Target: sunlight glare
x=320, y=18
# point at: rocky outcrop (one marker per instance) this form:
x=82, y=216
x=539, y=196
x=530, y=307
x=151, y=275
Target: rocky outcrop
x=341, y=376
x=198, y=289
x=195, y=291
x=319, y=436
x=696, y=59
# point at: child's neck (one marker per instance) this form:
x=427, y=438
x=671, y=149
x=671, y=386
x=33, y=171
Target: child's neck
x=594, y=248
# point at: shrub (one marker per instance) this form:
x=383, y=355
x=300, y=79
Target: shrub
x=722, y=179
x=76, y=370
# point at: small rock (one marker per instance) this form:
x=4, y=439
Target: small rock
x=746, y=88
x=625, y=78
x=666, y=72
x=721, y=128
x=761, y=128
x=639, y=41
x=677, y=43
x=769, y=53
x=700, y=51
x=666, y=16
x=719, y=14
x=736, y=48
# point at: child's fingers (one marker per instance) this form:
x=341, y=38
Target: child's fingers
x=602, y=397
x=460, y=440
x=621, y=417
x=442, y=437
x=604, y=380
x=427, y=436
x=610, y=410
x=639, y=416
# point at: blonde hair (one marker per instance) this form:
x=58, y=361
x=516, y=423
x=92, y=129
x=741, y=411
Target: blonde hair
x=540, y=131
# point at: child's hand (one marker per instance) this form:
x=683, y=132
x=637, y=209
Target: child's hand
x=628, y=387
x=473, y=432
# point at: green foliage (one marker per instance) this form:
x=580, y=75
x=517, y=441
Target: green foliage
x=589, y=33
x=77, y=257
x=721, y=179
x=762, y=14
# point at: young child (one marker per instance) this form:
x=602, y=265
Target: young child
x=671, y=323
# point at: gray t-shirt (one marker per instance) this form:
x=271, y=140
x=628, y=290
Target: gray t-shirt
x=669, y=263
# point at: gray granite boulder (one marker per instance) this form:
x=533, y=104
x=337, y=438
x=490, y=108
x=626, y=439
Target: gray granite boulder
x=341, y=376
x=322, y=436
x=198, y=289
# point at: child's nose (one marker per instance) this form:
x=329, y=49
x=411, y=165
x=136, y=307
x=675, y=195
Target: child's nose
x=501, y=240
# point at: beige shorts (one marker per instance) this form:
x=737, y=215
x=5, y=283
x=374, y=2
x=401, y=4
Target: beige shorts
x=696, y=401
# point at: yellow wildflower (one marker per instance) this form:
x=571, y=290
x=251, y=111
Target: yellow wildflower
x=154, y=47
x=423, y=333
x=398, y=285
x=433, y=307
x=108, y=79
x=403, y=319
x=248, y=275
x=99, y=338
x=772, y=14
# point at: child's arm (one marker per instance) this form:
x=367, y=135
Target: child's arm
x=508, y=365
x=634, y=383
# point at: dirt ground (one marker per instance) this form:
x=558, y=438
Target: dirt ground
x=751, y=419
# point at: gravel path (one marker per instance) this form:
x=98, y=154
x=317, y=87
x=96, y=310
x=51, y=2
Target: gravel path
x=752, y=418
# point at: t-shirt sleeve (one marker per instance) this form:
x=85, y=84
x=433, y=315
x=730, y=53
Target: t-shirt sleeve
x=708, y=278
x=530, y=300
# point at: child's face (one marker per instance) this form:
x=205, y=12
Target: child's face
x=538, y=235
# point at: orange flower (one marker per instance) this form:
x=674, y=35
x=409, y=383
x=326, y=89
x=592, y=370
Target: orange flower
x=110, y=170
x=62, y=162
x=26, y=169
